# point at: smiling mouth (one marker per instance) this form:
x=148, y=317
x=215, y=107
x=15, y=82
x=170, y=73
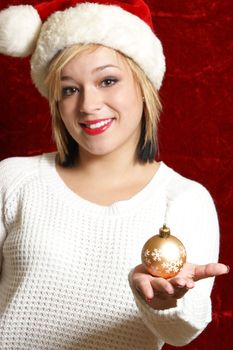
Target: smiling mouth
x=95, y=127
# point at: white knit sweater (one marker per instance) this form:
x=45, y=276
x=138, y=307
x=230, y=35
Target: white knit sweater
x=65, y=261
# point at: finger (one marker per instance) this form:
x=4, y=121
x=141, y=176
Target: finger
x=178, y=282
x=181, y=286
x=143, y=286
x=209, y=270
x=189, y=283
x=160, y=285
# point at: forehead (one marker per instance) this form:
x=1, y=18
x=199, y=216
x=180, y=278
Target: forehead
x=97, y=58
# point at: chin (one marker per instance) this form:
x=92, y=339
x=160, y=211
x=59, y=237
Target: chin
x=97, y=151
x=101, y=153
x=98, y=148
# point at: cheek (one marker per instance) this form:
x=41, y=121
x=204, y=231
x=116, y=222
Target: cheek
x=134, y=108
x=67, y=107
x=129, y=102
x=133, y=101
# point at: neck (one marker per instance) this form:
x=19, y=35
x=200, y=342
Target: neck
x=111, y=165
x=107, y=179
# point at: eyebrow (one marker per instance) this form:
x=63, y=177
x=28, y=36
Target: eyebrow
x=105, y=66
x=66, y=77
x=100, y=68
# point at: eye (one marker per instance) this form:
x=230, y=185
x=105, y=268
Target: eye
x=108, y=82
x=69, y=90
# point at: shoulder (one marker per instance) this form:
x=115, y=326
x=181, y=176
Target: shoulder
x=181, y=188
x=18, y=171
x=189, y=202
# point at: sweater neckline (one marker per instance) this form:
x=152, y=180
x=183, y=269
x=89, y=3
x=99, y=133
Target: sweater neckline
x=123, y=207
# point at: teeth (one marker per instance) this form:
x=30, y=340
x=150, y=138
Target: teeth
x=98, y=125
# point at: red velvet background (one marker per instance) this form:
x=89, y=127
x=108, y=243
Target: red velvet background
x=196, y=128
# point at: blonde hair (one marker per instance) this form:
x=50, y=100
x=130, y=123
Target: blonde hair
x=66, y=145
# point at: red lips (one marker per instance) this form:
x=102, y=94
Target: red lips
x=96, y=127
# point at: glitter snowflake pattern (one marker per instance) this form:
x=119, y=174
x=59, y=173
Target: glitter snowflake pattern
x=147, y=253
x=182, y=251
x=172, y=266
x=156, y=254
x=147, y=261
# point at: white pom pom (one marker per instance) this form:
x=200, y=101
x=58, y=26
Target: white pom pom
x=19, y=30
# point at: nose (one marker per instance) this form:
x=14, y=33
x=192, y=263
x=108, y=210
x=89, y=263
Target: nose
x=90, y=100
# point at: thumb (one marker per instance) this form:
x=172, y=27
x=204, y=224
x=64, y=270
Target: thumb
x=210, y=270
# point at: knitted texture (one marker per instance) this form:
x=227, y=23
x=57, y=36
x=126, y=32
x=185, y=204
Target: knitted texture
x=65, y=261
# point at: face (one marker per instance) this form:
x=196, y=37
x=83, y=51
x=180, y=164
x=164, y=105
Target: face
x=101, y=104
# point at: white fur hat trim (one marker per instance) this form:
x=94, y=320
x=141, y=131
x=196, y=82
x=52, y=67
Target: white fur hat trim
x=107, y=25
x=19, y=29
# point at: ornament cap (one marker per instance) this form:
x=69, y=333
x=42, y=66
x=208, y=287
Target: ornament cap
x=164, y=231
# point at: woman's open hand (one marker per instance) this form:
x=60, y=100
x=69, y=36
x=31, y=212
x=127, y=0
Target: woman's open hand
x=175, y=287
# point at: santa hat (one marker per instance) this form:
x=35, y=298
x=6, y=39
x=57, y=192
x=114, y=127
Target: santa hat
x=45, y=29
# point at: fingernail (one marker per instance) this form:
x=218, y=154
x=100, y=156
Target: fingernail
x=170, y=291
x=149, y=300
x=228, y=268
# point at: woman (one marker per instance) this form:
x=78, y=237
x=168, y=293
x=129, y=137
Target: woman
x=74, y=222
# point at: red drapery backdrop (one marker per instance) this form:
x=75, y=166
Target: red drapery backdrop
x=196, y=128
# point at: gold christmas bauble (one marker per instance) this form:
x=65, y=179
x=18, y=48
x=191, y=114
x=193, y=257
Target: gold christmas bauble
x=163, y=255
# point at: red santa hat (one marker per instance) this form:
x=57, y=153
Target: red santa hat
x=43, y=30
